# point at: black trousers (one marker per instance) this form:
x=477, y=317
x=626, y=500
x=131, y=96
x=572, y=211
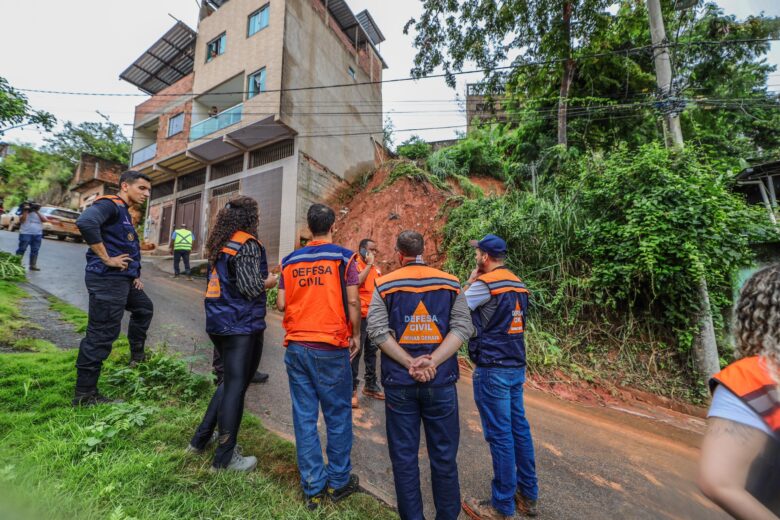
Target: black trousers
x=177, y=257
x=240, y=357
x=367, y=349
x=109, y=298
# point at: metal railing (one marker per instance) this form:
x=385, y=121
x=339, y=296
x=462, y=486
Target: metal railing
x=222, y=120
x=144, y=154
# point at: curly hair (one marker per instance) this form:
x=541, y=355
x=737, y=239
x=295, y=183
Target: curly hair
x=240, y=214
x=757, y=318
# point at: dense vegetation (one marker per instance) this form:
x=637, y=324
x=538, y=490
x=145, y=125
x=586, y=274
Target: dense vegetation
x=612, y=232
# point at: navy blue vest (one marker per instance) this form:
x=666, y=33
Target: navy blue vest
x=119, y=238
x=228, y=312
x=500, y=341
x=418, y=300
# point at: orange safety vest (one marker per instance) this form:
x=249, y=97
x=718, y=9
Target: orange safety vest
x=367, y=287
x=316, y=294
x=750, y=380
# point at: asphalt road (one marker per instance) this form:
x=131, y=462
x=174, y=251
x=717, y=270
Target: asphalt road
x=593, y=462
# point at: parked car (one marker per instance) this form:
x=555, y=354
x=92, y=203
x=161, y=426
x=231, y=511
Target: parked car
x=10, y=220
x=62, y=223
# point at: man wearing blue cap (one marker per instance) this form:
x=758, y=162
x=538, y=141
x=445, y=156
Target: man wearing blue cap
x=498, y=301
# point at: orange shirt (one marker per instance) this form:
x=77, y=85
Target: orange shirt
x=367, y=287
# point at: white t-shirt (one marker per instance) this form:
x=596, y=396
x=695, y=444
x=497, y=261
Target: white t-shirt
x=726, y=405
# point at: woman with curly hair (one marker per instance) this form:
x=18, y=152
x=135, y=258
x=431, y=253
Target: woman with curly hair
x=740, y=454
x=235, y=321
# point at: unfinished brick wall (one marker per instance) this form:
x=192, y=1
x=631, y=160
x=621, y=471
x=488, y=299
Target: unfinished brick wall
x=167, y=103
x=315, y=184
x=108, y=171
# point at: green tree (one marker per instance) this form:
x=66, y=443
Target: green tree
x=32, y=174
x=451, y=33
x=102, y=138
x=15, y=111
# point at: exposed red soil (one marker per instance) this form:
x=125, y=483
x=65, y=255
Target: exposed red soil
x=381, y=216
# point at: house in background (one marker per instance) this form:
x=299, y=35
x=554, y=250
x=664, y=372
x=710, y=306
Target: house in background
x=275, y=100
x=483, y=106
x=94, y=178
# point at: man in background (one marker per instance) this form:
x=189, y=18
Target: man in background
x=31, y=232
x=366, y=259
x=181, y=245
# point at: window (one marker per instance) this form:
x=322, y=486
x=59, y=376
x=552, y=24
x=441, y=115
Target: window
x=258, y=20
x=256, y=83
x=176, y=124
x=215, y=47
x=351, y=72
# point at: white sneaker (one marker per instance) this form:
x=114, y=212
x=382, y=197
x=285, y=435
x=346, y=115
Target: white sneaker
x=239, y=463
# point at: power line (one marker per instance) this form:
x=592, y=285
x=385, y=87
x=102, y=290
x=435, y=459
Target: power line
x=432, y=76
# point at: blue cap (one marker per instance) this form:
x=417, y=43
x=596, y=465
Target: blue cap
x=491, y=244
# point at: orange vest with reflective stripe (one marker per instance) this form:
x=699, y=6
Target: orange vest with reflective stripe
x=315, y=294
x=750, y=380
x=368, y=285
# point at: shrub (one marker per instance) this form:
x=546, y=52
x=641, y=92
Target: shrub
x=471, y=156
x=414, y=148
x=11, y=267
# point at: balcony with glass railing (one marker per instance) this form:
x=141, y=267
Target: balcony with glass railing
x=144, y=154
x=215, y=123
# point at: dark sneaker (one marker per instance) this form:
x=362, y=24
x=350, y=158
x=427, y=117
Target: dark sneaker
x=260, y=377
x=483, y=510
x=192, y=450
x=315, y=501
x=341, y=493
x=34, y=268
x=92, y=399
x=373, y=391
x=526, y=506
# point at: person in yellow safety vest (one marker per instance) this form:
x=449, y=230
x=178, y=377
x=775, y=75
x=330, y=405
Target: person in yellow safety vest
x=181, y=245
x=740, y=454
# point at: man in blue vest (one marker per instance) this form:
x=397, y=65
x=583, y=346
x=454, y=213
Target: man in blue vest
x=498, y=301
x=113, y=279
x=419, y=318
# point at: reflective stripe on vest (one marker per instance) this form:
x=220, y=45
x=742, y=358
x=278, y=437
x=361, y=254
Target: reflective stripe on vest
x=182, y=240
x=315, y=294
x=750, y=380
x=228, y=312
x=419, y=301
x=500, y=340
x=367, y=287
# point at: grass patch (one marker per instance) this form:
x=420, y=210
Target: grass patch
x=69, y=313
x=10, y=318
x=128, y=461
x=34, y=345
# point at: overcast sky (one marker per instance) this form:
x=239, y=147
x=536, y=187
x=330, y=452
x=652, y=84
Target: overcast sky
x=83, y=45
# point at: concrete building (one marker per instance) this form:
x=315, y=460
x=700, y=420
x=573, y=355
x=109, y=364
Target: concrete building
x=94, y=178
x=276, y=100
x=482, y=106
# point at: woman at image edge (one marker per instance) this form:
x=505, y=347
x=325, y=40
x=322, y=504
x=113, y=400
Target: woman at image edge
x=740, y=454
x=235, y=321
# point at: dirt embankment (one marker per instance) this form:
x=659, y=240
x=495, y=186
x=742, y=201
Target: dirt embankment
x=381, y=214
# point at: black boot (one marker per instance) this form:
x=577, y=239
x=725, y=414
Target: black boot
x=260, y=377
x=33, y=263
x=137, y=356
x=92, y=398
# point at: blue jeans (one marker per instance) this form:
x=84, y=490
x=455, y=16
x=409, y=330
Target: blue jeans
x=437, y=407
x=498, y=393
x=34, y=241
x=321, y=378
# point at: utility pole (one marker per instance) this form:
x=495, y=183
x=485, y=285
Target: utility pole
x=705, y=347
x=663, y=73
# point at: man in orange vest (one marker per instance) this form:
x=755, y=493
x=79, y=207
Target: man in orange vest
x=419, y=318
x=498, y=301
x=318, y=292
x=366, y=258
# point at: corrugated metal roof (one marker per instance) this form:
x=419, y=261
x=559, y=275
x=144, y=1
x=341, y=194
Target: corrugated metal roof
x=358, y=31
x=368, y=23
x=167, y=61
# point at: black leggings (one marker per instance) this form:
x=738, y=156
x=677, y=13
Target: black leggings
x=240, y=357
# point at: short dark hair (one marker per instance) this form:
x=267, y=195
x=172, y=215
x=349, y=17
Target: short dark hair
x=364, y=243
x=132, y=176
x=410, y=243
x=320, y=219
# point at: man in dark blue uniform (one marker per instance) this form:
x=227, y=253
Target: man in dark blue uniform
x=113, y=279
